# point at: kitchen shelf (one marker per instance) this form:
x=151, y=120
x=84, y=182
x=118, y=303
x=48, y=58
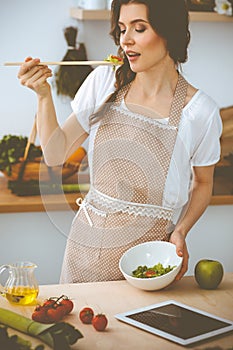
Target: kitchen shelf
x=91, y=15
x=104, y=15
x=209, y=17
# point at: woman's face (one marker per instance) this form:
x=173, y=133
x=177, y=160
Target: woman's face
x=142, y=46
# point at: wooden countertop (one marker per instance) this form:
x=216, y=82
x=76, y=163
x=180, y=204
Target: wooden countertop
x=10, y=203
x=115, y=297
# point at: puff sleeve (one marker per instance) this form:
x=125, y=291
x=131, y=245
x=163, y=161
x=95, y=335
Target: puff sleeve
x=92, y=94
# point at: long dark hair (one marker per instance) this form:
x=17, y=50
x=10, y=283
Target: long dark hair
x=170, y=20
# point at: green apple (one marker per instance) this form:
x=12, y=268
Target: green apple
x=208, y=273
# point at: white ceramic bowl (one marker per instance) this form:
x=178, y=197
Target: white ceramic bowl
x=149, y=254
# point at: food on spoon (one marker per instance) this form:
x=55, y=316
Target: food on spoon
x=116, y=60
x=150, y=272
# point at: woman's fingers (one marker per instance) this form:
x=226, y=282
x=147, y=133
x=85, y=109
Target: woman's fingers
x=182, y=251
x=29, y=58
x=27, y=66
x=33, y=75
x=184, y=266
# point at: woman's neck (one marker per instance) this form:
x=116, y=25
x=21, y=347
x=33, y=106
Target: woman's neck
x=153, y=91
x=157, y=82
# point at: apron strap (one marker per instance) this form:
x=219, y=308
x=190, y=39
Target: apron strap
x=121, y=94
x=178, y=101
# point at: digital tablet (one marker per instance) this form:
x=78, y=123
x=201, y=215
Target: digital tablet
x=177, y=322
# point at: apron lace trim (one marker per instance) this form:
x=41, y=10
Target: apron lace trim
x=114, y=205
x=144, y=119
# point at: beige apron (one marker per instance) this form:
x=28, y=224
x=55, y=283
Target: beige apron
x=124, y=207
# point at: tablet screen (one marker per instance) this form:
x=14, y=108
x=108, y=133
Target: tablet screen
x=177, y=322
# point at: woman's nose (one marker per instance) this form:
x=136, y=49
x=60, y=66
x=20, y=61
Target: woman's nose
x=127, y=38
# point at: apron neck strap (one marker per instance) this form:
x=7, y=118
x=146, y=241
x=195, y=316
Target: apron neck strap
x=178, y=101
x=121, y=94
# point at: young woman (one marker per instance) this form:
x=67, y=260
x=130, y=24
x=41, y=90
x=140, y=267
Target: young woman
x=153, y=141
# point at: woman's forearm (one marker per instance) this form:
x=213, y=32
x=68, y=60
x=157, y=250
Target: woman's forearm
x=52, y=138
x=199, y=200
x=200, y=196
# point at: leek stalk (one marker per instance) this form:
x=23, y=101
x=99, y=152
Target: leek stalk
x=58, y=336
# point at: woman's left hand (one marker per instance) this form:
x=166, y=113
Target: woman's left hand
x=181, y=249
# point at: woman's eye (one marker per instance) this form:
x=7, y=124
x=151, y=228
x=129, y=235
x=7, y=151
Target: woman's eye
x=140, y=30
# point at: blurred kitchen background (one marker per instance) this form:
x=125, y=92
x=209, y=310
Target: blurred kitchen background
x=35, y=28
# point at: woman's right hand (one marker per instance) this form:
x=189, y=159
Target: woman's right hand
x=34, y=76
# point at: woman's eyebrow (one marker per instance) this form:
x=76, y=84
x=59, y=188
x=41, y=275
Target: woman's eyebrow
x=134, y=21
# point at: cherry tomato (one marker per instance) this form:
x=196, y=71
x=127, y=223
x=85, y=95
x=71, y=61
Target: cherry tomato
x=53, y=309
x=39, y=314
x=150, y=273
x=55, y=315
x=100, y=322
x=68, y=305
x=86, y=315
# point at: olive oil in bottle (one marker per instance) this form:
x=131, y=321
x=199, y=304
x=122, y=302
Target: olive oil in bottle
x=22, y=295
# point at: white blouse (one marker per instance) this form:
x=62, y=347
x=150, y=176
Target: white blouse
x=197, y=142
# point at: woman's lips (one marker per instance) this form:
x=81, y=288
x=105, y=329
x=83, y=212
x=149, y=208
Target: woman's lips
x=132, y=56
